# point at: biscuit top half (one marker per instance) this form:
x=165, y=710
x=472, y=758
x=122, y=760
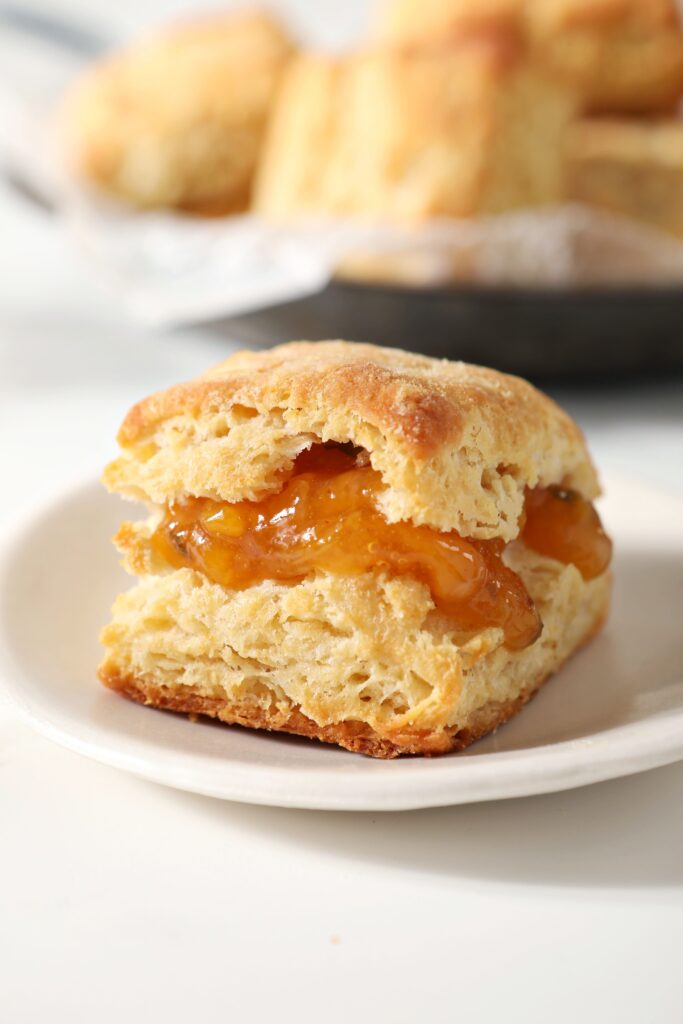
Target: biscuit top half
x=456, y=445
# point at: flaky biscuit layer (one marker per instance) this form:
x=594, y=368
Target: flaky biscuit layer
x=457, y=445
x=363, y=661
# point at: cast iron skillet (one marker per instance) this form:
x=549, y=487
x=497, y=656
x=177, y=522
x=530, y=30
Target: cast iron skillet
x=536, y=333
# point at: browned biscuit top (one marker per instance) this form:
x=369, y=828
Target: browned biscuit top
x=456, y=444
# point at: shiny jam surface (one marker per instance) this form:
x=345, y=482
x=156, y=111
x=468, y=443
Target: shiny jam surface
x=326, y=518
x=561, y=524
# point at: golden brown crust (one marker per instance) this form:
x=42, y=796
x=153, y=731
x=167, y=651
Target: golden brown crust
x=376, y=384
x=355, y=736
x=456, y=444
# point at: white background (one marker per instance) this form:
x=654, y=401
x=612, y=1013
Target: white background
x=124, y=901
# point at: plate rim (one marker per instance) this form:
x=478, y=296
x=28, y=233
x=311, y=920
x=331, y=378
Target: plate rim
x=617, y=752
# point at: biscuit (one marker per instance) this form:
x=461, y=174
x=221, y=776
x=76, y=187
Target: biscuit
x=633, y=168
x=625, y=56
x=368, y=657
x=433, y=428
x=404, y=134
x=299, y=144
x=407, y=21
x=177, y=120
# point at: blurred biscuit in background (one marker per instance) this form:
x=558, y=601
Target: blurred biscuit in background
x=419, y=21
x=178, y=119
x=630, y=167
x=299, y=145
x=406, y=133
x=626, y=56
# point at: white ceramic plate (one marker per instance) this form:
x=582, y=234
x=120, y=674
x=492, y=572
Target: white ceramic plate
x=617, y=708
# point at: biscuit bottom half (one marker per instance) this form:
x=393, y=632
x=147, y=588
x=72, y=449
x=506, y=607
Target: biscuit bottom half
x=366, y=662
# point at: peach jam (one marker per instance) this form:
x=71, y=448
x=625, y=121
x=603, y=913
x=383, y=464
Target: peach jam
x=562, y=525
x=326, y=518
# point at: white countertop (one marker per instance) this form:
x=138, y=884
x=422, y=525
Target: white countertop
x=122, y=900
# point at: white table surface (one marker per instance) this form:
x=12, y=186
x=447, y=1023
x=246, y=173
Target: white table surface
x=124, y=901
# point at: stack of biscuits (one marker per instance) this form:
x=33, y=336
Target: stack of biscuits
x=449, y=109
